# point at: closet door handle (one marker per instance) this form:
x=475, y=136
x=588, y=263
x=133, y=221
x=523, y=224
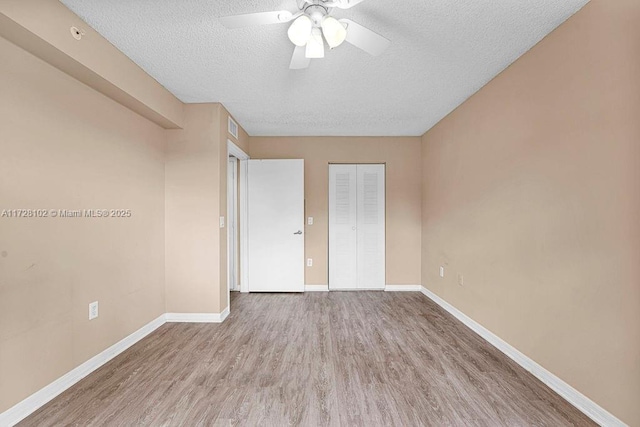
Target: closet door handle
x=298, y=232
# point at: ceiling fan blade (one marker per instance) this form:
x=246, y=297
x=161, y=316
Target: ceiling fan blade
x=299, y=60
x=364, y=38
x=261, y=18
x=346, y=4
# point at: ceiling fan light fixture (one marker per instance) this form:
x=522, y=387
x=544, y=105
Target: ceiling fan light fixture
x=315, y=45
x=300, y=31
x=334, y=32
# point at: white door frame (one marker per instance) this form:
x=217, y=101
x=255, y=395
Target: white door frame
x=232, y=222
x=234, y=150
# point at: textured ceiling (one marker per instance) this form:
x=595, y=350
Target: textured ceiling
x=442, y=52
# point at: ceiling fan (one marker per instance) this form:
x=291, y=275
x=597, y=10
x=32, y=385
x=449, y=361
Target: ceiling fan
x=312, y=26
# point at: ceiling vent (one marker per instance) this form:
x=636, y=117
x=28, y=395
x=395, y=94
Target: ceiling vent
x=233, y=128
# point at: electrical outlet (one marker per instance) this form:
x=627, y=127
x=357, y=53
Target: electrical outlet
x=310, y=220
x=460, y=279
x=441, y=271
x=221, y=222
x=309, y=262
x=93, y=310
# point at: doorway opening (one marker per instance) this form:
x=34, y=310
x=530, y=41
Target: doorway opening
x=236, y=219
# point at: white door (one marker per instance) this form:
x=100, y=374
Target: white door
x=343, y=272
x=276, y=226
x=356, y=227
x=371, y=226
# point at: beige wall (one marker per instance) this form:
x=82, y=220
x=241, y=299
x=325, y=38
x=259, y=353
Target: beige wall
x=196, y=196
x=243, y=143
x=42, y=27
x=65, y=146
x=222, y=190
x=402, y=158
x=192, y=208
x=531, y=190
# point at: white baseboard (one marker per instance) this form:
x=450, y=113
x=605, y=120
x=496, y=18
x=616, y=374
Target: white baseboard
x=20, y=411
x=23, y=409
x=225, y=313
x=197, y=317
x=403, y=288
x=316, y=288
x=570, y=394
x=32, y=403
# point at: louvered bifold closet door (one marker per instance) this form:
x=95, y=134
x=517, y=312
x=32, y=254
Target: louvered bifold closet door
x=370, y=220
x=356, y=227
x=342, y=227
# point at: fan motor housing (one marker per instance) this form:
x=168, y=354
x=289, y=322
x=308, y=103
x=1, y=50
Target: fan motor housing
x=316, y=13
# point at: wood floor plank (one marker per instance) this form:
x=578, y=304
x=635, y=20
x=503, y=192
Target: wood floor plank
x=325, y=359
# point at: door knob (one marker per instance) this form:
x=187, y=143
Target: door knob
x=298, y=232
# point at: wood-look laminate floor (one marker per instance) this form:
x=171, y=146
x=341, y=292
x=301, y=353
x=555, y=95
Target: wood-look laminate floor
x=339, y=359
